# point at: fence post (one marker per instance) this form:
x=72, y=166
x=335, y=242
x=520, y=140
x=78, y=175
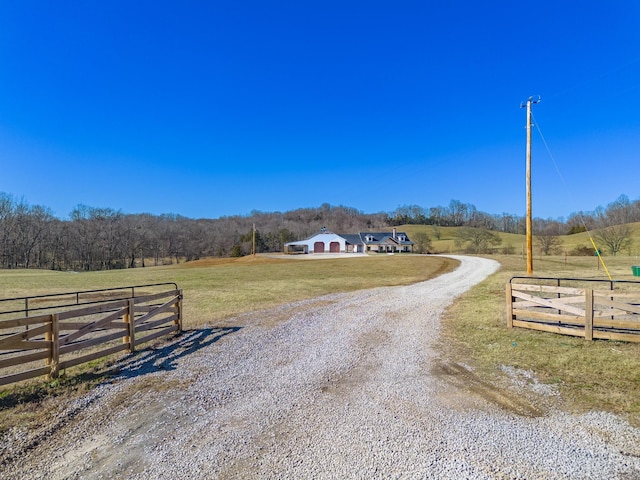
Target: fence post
x=53, y=336
x=178, y=322
x=509, y=306
x=588, y=314
x=129, y=319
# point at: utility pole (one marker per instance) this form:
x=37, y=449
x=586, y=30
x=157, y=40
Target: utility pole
x=530, y=101
x=253, y=241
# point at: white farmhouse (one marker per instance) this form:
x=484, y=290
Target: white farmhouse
x=328, y=242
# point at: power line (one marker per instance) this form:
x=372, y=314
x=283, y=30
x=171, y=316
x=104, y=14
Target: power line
x=567, y=191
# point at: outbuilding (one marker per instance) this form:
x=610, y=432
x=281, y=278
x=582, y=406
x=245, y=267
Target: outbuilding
x=362, y=242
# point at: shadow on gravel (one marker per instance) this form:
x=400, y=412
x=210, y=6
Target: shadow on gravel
x=165, y=356
x=76, y=392
x=146, y=360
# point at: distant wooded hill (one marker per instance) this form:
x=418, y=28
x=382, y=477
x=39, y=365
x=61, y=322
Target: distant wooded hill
x=614, y=240
x=102, y=238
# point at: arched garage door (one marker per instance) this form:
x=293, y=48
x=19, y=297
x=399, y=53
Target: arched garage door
x=334, y=247
x=318, y=247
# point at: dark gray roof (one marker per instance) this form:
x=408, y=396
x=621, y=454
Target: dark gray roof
x=360, y=238
x=381, y=237
x=352, y=238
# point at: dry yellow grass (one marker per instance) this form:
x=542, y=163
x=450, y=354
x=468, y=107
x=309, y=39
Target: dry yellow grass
x=215, y=290
x=591, y=375
x=598, y=375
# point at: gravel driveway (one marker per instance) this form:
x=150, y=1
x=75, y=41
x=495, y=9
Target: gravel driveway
x=343, y=386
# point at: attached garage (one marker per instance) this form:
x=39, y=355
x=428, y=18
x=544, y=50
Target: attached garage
x=322, y=242
x=329, y=242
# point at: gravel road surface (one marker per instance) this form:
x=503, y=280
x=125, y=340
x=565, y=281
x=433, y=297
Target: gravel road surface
x=343, y=386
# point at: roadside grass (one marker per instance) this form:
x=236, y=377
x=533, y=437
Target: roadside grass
x=590, y=375
x=36, y=403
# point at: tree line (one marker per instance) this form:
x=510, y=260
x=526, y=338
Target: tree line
x=459, y=214
x=103, y=238
x=610, y=226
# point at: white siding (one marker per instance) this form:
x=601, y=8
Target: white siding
x=325, y=238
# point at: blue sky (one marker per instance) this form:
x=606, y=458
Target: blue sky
x=210, y=108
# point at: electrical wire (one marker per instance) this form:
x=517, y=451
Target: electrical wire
x=566, y=186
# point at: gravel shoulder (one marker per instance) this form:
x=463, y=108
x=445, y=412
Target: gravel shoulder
x=342, y=386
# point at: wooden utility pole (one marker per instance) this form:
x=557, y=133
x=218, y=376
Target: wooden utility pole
x=529, y=221
x=253, y=241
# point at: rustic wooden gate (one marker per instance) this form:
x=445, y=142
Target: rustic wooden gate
x=68, y=329
x=601, y=309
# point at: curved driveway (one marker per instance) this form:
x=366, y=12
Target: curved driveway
x=342, y=386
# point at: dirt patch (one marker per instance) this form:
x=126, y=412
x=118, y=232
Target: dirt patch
x=466, y=381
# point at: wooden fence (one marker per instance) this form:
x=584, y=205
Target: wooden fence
x=49, y=333
x=591, y=309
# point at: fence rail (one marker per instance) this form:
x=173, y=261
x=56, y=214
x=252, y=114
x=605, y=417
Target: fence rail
x=593, y=309
x=63, y=334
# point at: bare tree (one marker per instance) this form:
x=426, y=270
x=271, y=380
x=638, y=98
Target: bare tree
x=620, y=211
x=135, y=239
x=481, y=220
x=549, y=238
x=437, y=215
x=580, y=222
x=615, y=237
x=476, y=240
x=508, y=223
x=458, y=212
x=7, y=224
x=613, y=230
x=31, y=223
x=422, y=242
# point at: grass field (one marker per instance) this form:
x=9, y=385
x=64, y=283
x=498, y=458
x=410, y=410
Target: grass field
x=591, y=375
x=216, y=289
x=600, y=375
